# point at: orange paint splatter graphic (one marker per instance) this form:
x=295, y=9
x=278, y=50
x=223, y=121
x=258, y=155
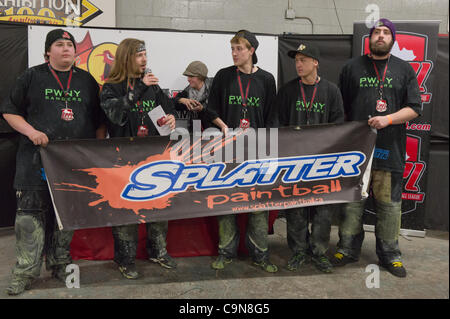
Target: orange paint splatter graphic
x=112, y=181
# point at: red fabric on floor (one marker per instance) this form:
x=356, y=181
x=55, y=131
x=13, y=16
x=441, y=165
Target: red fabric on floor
x=185, y=238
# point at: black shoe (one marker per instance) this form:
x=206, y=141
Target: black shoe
x=296, y=261
x=59, y=272
x=18, y=286
x=322, y=263
x=129, y=271
x=339, y=260
x=165, y=261
x=396, y=268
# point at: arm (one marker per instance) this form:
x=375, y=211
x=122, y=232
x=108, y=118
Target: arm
x=18, y=123
x=401, y=116
x=116, y=102
x=270, y=111
x=336, y=107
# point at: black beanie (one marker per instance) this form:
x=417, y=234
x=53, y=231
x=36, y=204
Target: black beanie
x=57, y=34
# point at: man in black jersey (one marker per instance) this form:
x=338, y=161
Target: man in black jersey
x=309, y=99
x=243, y=96
x=383, y=90
x=51, y=101
x=128, y=96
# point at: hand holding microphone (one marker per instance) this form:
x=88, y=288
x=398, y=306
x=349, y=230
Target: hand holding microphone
x=149, y=78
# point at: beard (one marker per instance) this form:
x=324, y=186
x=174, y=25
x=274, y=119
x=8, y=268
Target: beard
x=380, y=50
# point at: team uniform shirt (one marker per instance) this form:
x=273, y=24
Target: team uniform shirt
x=39, y=99
x=359, y=86
x=225, y=99
x=295, y=110
x=127, y=106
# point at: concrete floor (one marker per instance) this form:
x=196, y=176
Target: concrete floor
x=426, y=259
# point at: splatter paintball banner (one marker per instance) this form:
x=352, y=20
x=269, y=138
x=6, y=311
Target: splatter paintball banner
x=97, y=183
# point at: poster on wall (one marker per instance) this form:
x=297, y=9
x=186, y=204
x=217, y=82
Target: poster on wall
x=168, y=53
x=416, y=43
x=74, y=13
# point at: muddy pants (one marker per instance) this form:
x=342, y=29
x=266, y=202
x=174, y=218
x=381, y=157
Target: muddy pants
x=37, y=235
x=256, y=237
x=126, y=241
x=387, y=192
x=297, y=225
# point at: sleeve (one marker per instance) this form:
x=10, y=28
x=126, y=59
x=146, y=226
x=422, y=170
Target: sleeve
x=165, y=102
x=280, y=103
x=116, y=104
x=16, y=101
x=336, y=106
x=344, y=86
x=215, y=98
x=176, y=100
x=412, y=98
x=270, y=112
x=100, y=117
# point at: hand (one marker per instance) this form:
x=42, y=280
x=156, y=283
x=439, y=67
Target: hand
x=170, y=120
x=191, y=105
x=150, y=79
x=38, y=138
x=198, y=107
x=378, y=122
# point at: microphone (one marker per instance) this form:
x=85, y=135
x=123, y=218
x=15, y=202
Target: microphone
x=155, y=87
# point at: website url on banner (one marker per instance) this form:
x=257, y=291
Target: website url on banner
x=277, y=205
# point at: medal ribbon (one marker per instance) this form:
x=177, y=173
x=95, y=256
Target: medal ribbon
x=244, y=99
x=66, y=91
x=378, y=76
x=302, y=91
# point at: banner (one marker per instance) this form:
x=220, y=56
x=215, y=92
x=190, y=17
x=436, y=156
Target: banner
x=73, y=13
x=416, y=42
x=96, y=183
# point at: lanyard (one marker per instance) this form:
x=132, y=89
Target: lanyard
x=381, y=85
x=244, y=99
x=302, y=90
x=66, y=91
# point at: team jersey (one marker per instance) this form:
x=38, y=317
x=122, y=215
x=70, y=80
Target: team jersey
x=40, y=100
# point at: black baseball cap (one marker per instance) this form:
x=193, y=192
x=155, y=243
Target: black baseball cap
x=250, y=37
x=57, y=34
x=307, y=49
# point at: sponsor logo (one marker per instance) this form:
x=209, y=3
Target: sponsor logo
x=316, y=107
x=411, y=47
x=381, y=154
x=144, y=106
x=58, y=95
x=370, y=82
x=418, y=127
x=63, y=12
x=160, y=178
x=414, y=170
x=237, y=100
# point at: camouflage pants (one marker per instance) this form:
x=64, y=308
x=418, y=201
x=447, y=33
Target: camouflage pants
x=256, y=237
x=299, y=238
x=387, y=191
x=126, y=241
x=37, y=235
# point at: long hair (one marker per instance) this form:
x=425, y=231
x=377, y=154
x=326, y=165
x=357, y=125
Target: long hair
x=124, y=65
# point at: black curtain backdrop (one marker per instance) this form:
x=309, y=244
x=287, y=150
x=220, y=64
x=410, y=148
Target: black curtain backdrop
x=335, y=51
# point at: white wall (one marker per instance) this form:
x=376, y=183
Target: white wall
x=268, y=16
